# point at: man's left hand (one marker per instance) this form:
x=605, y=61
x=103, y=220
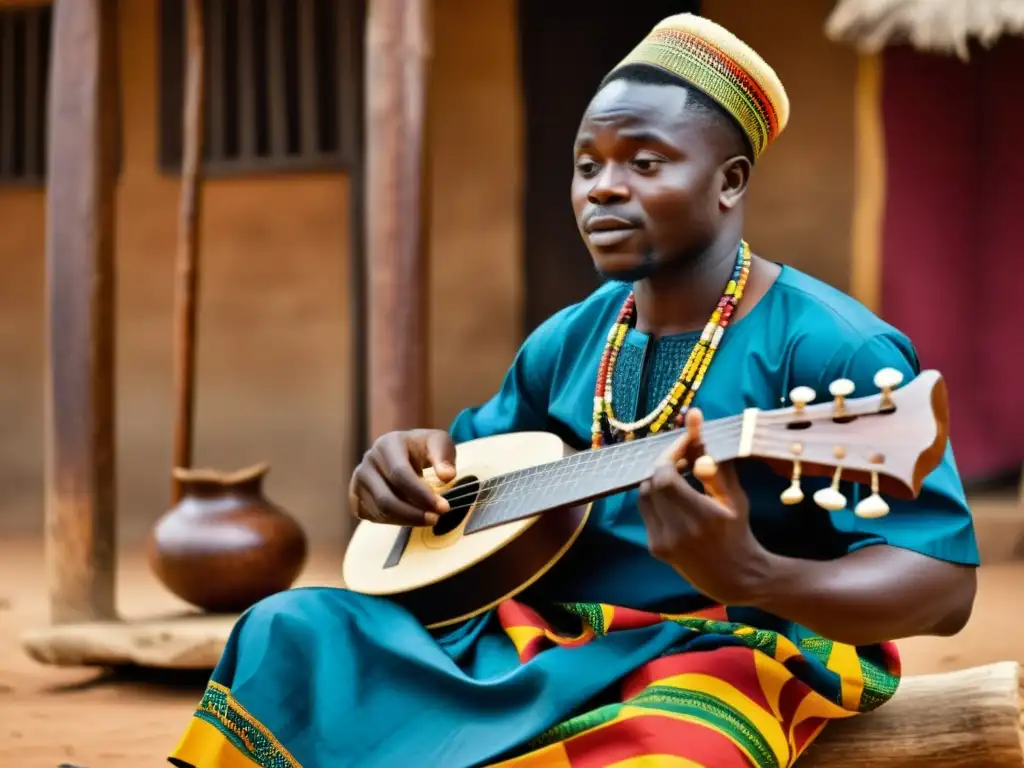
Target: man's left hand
x=706, y=538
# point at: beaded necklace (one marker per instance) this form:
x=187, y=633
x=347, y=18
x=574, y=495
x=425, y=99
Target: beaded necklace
x=608, y=429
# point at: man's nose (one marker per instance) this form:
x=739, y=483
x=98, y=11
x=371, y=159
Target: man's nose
x=609, y=187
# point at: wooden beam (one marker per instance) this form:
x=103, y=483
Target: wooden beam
x=186, y=267
x=83, y=150
x=397, y=53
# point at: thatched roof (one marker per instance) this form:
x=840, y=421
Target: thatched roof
x=943, y=26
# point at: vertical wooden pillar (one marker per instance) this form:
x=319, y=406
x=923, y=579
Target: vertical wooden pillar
x=83, y=155
x=397, y=54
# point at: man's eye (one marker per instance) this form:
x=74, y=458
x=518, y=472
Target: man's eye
x=646, y=164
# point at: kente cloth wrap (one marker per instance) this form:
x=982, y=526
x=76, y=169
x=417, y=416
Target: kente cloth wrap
x=738, y=696
x=711, y=58
x=725, y=695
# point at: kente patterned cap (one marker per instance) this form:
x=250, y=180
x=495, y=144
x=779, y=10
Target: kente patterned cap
x=713, y=59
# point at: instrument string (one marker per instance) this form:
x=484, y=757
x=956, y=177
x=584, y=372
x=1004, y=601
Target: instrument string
x=767, y=444
x=710, y=430
x=584, y=459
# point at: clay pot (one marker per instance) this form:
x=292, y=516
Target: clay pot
x=224, y=546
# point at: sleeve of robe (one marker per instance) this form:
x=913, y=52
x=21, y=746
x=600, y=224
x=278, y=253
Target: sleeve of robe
x=938, y=523
x=521, y=403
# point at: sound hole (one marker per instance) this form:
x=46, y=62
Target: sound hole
x=461, y=497
x=843, y=419
x=798, y=425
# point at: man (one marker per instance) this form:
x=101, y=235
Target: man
x=646, y=662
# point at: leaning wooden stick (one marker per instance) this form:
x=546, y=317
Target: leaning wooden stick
x=186, y=268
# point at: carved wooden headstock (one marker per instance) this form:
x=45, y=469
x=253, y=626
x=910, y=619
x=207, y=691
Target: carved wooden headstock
x=890, y=440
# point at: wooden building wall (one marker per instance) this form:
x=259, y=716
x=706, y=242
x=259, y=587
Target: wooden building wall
x=274, y=334
x=274, y=331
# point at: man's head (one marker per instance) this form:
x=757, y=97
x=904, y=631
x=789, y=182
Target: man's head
x=664, y=151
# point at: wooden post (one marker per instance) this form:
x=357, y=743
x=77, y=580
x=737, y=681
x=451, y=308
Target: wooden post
x=186, y=269
x=869, y=184
x=80, y=435
x=397, y=52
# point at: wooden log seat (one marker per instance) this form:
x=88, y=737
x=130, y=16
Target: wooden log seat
x=970, y=718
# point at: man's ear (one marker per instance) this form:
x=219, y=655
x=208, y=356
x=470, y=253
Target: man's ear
x=735, y=178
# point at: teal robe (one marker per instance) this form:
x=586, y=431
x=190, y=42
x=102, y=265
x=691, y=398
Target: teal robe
x=340, y=679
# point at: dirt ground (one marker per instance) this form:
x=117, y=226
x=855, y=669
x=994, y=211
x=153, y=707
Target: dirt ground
x=88, y=718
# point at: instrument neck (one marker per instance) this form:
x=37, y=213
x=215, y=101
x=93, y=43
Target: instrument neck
x=589, y=475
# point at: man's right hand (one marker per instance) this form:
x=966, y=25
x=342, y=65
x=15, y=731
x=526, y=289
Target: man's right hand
x=388, y=485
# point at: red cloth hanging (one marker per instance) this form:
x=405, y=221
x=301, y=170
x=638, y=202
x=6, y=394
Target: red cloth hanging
x=951, y=244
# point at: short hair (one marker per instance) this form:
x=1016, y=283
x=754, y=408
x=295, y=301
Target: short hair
x=697, y=101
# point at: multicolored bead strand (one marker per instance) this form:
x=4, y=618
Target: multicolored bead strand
x=672, y=409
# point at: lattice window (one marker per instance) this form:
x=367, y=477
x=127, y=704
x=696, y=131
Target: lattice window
x=24, y=76
x=282, y=83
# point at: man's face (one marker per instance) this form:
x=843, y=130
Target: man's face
x=647, y=181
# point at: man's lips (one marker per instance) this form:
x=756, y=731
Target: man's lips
x=605, y=231
x=605, y=238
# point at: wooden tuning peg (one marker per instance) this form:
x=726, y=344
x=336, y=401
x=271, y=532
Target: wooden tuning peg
x=887, y=379
x=794, y=494
x=831, y=498
x=841, y=389
x=873, y=506
x=801, y=396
